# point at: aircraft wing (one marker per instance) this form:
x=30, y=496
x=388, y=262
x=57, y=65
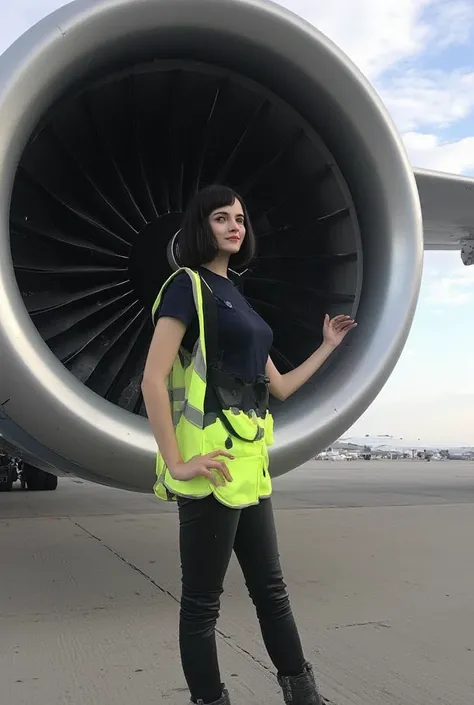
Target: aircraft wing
x=447, y=202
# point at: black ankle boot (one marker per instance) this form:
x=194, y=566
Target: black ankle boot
x=300, y=689
x=223, y=700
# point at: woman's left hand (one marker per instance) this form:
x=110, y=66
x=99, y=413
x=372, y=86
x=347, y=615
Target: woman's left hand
x=335, y=329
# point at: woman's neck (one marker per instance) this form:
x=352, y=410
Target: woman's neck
x=218, y=266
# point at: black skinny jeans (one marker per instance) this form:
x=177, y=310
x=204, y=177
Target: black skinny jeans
x=208, y=533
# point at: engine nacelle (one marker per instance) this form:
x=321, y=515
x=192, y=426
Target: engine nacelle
x=112, y=114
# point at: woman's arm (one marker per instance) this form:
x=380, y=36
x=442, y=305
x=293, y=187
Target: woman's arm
x=163, y=350
x=164, y=347
x=334, y=332
x=283, y=386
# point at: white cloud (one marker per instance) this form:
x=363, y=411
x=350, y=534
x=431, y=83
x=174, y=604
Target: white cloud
x=430, y=152
x=379, y=34
x=374, y=34
x=450, y=289
x=391, y=36
x=435, y=98
x=454, y=20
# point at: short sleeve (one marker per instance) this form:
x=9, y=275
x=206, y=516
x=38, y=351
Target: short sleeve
x=178, y=300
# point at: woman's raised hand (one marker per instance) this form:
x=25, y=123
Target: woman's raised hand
x=203, y=465
x=335, y=329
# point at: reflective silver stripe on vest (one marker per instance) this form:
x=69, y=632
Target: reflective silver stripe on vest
x=176, y=417
x=199, y=363
x=177, y=394
x=193, y=415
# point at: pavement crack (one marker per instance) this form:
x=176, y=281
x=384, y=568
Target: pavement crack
x=377, y=625
x=237, y=647
x=128, y=563
x=229, y=639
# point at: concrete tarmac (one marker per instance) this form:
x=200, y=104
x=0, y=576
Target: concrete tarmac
x=378, y=558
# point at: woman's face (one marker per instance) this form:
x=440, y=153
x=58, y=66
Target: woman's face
x=228, y=226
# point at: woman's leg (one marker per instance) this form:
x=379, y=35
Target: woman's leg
x=207, y=533
x=256, y=548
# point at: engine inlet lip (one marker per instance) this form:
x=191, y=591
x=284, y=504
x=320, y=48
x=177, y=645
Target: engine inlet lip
x=33, y=73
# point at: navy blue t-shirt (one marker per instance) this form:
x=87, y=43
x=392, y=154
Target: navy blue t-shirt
x=244, y=337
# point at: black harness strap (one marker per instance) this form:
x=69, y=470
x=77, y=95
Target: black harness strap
x=211, y=331
x=211, y=327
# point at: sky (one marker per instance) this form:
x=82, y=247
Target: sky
x=418, y=56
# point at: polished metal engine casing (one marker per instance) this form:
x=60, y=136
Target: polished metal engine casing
x=315, y=154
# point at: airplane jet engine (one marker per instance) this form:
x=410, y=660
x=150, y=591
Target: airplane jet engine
x=112, y=114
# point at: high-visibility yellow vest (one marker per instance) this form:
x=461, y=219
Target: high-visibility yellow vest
x=198, y=433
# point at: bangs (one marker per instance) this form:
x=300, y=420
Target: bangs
x=215, y=197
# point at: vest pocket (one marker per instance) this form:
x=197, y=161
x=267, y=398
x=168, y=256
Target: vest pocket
x=218, y=437
x=247, y=427
x=249, y=482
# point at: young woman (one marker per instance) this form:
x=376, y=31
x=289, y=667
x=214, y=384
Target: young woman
x=212, y=488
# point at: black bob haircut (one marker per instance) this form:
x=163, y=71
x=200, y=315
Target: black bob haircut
x=196, y=242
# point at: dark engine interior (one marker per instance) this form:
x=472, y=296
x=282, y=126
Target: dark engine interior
x=100, y=191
